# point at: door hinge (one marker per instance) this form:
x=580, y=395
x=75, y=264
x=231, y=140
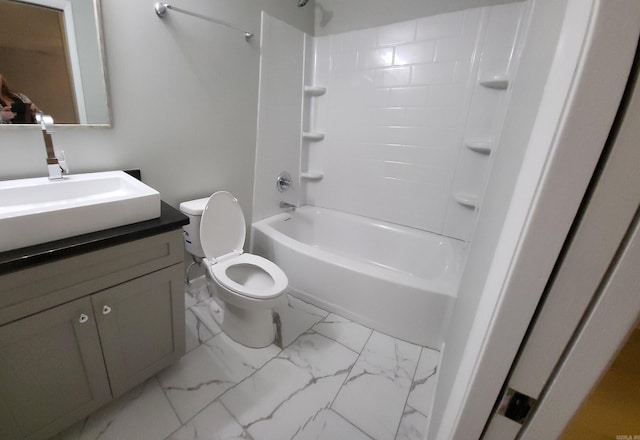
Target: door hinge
x=516, y=406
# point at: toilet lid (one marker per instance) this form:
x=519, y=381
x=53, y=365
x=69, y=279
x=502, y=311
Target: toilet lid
x=222, y=228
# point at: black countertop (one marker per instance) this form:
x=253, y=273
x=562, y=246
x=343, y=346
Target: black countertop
x=170, y=219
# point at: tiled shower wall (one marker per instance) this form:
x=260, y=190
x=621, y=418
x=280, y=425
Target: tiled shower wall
x=402, y=101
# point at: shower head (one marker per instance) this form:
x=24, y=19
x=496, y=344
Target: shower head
x=302, y=3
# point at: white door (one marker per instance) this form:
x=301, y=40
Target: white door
x=591, y=301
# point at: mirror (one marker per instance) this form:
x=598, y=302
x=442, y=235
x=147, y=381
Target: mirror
x=51, y=51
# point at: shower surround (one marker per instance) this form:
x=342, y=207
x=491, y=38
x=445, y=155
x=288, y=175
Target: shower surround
x=397, y=123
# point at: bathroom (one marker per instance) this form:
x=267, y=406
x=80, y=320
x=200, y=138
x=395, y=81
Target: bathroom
x=185, y=98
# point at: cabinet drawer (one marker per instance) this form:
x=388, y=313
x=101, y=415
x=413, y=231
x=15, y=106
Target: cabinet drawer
x=40, y=287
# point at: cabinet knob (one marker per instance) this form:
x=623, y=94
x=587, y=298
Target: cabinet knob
x=106, y=310
x=83, y=318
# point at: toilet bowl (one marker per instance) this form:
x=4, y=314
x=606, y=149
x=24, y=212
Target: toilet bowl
x=245, y=286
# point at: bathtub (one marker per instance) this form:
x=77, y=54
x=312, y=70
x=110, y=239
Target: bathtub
x=394, y=279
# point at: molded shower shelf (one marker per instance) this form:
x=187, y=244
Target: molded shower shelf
x=312, y=136
x=466, y=200
x=497, y=83
x=481, y=147
x=312, y=175
x=314, y=90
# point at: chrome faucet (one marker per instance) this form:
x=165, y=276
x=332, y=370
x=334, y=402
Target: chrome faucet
x=56, y=164
x=288, y=206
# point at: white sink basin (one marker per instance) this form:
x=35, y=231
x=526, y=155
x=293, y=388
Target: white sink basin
x=39, y=210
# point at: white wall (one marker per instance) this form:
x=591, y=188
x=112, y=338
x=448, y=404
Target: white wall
x=184, y=98
x=528, y=87
x=279, y=115
x=497, y=56
x=336, y=16
x=402, y=101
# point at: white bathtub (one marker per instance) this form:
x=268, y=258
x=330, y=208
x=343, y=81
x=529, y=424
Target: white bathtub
x=398, y=280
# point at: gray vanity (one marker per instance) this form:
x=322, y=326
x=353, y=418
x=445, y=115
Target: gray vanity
x=91, y=266
x=86, y=318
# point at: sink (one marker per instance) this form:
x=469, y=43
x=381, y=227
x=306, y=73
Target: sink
x=39, y=210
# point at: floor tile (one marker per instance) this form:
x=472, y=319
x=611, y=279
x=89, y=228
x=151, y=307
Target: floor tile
x=376, y=390
x=423, y=387
x=189, y=300
x=281, y=398
x=223, y=390
x=348, y=333
x=412, y=426
x=328, y=425
x=197, y=291
x=214, y=422
x=209, y=370
x=143, y=413
x=201, y=310
x=296, y=317
x=196, y=333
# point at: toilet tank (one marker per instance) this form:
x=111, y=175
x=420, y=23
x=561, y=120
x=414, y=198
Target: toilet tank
x=193, y=209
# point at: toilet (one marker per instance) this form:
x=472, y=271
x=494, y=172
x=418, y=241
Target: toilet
x=245, y=286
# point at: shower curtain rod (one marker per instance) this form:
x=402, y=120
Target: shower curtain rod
x=162, y=8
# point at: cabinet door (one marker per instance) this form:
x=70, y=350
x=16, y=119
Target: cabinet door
x=141, y=326
x=51, y=371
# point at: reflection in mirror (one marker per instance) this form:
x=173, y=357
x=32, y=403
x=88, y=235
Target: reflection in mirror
x=52, y=55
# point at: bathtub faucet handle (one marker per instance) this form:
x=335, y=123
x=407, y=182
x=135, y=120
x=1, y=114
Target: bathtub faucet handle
x=283, y=181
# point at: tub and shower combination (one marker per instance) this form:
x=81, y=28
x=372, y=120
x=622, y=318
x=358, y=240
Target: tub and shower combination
x=397, y=280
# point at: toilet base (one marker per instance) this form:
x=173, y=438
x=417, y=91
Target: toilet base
x=252, y=328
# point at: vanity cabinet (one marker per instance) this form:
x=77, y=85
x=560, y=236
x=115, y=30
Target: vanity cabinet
x=78, y=332
x=52, y=370
x=136, y=323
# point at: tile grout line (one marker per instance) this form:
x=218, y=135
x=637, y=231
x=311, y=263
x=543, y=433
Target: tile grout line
x=218, y=398
x=348, y=421
x=199, y=324
x=236, y=384
x=155, y=377
x=347, y=377
x=308, y=331
x=338, y=342
x=222, y=394
x=289, y=296
x=432, y=396
x=419, y=412
x=379, y=331
x=258, y=369
x=413, y=378
x=202, y=321
x=164, y=391
x=174, y=432
x=244, y=431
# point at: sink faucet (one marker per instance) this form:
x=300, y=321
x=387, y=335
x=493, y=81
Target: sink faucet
x=57, y=165
x=288, y=206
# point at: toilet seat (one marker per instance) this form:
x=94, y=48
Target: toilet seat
x=222, y=234
x=278, y=277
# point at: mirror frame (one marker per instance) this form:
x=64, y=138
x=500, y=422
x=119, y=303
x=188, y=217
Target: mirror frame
x=65, y=6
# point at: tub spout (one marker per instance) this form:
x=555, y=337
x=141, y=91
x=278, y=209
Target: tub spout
x=288, y=206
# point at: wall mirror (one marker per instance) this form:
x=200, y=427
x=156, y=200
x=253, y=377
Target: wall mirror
x=51, y=51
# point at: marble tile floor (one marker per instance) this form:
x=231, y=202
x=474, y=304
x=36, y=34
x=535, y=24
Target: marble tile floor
x=334, y=379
